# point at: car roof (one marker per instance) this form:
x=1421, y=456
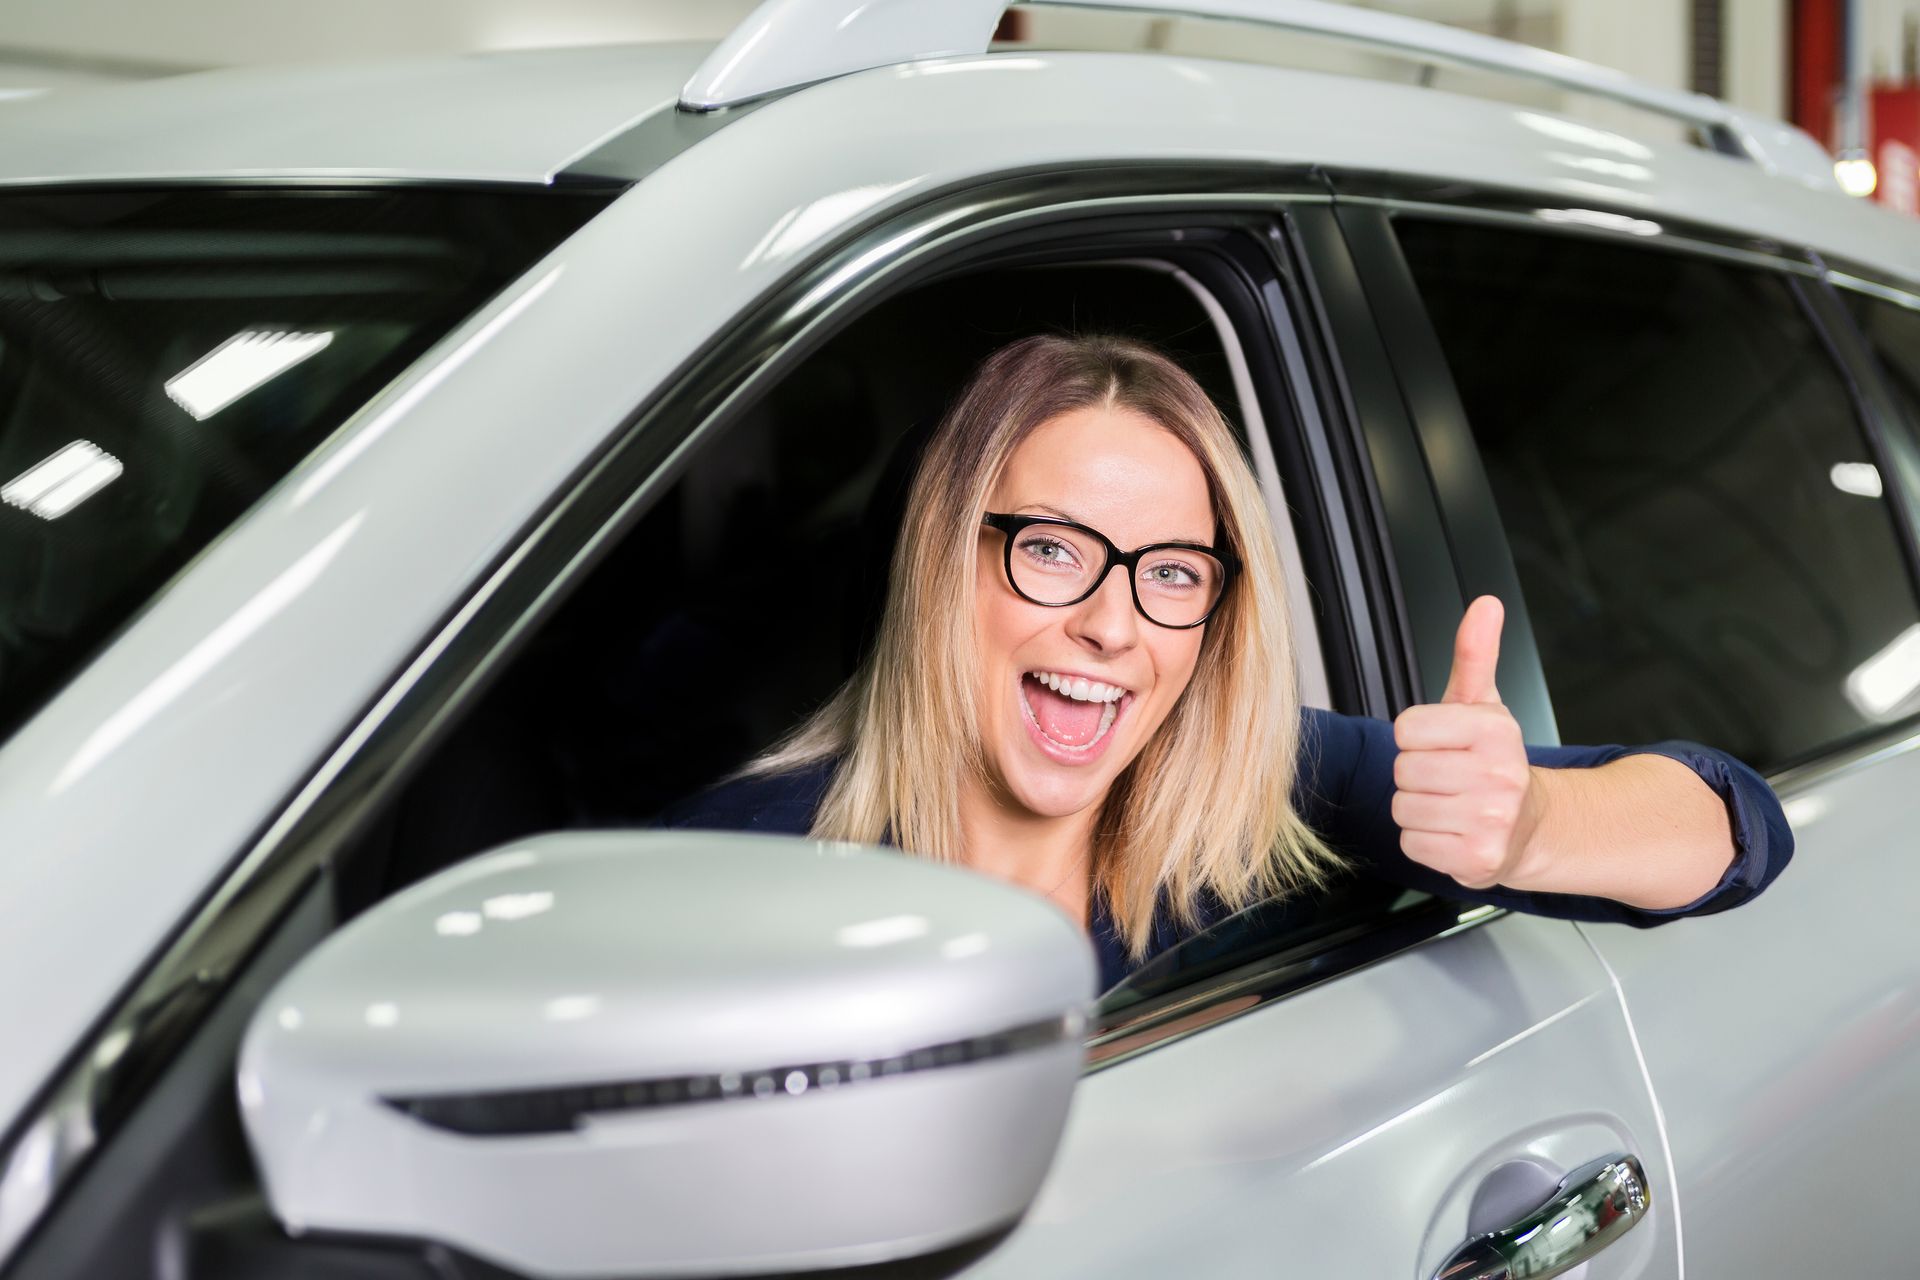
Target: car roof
x=491, y=117
x=528, y=116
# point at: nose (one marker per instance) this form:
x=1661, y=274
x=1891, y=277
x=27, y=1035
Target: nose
x=1106, y=621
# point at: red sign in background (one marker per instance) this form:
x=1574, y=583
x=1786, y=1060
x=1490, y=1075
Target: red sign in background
x=1895, y=146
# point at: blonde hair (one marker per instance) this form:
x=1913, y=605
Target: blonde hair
x=1207, y=804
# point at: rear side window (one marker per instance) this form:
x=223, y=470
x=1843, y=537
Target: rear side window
x=1686, y=488
x=166, y=357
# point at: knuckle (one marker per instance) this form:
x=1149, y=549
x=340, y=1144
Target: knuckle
x=1478, y=870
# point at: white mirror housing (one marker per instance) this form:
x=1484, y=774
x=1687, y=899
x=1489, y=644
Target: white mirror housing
x=673, y=1053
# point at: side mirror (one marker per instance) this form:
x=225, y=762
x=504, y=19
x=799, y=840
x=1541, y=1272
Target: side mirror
x=673, y=1053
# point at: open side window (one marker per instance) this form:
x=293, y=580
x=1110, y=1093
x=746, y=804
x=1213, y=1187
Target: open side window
x=749, y=590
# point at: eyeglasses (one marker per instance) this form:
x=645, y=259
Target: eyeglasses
x=1056, y=562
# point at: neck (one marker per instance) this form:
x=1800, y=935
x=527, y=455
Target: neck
x=1051, y=856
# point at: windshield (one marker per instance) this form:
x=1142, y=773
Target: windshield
x=165, y=357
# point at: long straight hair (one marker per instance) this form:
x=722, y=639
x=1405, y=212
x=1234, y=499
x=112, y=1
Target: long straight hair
x=1207, y=804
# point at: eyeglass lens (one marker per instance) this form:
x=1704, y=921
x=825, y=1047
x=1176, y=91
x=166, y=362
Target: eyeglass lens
x=1053, y=564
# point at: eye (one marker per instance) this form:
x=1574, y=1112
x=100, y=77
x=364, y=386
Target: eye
x=1047, y=551
x=1173, y=574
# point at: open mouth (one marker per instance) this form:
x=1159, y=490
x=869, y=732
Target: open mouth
x=1071, y=712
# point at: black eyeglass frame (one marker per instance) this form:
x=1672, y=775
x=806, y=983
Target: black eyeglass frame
x=1011, y=525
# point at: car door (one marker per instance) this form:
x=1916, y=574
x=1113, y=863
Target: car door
x=1360, y=1094
x=1705, y=497
x=1361, y=1088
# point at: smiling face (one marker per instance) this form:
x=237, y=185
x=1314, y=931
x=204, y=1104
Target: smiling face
x=1053, y=746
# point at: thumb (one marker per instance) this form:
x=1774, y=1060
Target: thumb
x=1476, y=653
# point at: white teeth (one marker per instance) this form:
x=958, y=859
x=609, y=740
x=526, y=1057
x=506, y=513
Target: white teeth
x=1079, y=688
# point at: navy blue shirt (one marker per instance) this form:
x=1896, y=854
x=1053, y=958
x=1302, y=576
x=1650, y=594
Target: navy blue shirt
x=1344, y=790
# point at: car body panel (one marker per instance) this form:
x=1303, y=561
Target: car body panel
x=1379, y=1101
x=1789, y=1093
x=516, y=117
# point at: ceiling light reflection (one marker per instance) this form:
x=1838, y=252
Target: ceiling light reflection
x=57, y=484
x=1584, y=135
x=245, y=361
x=997, y=63
x=1880, y=687
x=1862, y=478
x=1600, y=219
x=457, y=924
x=572, y=1008
x=1602, y=165
x=801, y=226
x=882, y=932
x=967, y=944
x=516, y=906
x=1804, y=811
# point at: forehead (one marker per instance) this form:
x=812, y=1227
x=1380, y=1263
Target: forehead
x=1116, y=470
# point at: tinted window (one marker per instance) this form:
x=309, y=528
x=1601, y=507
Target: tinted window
x=1686, y=487
x=164, y=358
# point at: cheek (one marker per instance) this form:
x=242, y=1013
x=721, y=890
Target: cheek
x=1176, y=655
x=1001, y=620
x=989, y=608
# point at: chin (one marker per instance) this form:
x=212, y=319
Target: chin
x=1044, y=792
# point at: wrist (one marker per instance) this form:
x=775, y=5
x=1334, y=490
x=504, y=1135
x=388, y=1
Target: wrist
x=1531, y=851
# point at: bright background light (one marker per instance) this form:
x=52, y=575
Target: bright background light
x=1856, y=176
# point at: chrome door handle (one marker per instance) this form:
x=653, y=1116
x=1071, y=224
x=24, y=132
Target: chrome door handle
x=1595, y=1205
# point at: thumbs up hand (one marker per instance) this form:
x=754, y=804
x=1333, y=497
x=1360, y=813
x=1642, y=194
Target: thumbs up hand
x=1465, y=798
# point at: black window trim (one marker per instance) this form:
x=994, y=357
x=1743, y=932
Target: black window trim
x=1895, y=444
x=169, y=1000
x=1473, y=537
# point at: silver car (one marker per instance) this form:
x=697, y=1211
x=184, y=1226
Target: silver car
x=400, y=466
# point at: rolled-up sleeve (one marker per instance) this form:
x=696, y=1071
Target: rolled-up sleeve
x=1346, y=793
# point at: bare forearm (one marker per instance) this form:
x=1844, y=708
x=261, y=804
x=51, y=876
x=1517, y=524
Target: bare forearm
x=1643, y=829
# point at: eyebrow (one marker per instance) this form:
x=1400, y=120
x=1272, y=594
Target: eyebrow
x=1041, y=508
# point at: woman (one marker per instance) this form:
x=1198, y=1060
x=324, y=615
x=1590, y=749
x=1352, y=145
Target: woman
x=1131, y=745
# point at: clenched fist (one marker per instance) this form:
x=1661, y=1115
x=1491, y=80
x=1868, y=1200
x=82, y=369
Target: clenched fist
x=1464, y=796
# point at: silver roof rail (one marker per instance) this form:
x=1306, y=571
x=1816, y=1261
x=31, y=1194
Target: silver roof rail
x=788, y=43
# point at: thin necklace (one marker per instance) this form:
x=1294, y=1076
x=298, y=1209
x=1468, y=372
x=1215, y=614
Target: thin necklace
x=1078, y=863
